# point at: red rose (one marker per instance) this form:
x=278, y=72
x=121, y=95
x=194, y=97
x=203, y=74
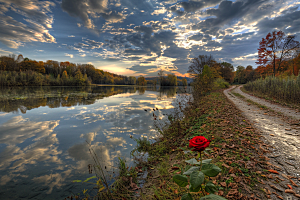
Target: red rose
x=199, y=143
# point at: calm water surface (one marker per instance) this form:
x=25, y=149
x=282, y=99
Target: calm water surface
x=44, y=134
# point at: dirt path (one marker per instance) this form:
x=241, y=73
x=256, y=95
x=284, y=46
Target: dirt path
x=279, y=132
x=289, y=112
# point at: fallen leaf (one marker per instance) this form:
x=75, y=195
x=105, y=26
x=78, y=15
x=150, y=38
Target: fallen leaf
x=293, y=183
x=274, y=187
x=223, y=184
x=224, y=165
x=285, y=176
x=175, y=167
x=289, y=191
x=297, y=195
x=280, y=197
x=273, y=171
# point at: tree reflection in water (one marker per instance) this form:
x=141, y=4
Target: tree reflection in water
x=43, y=150
x=27, y=98
x=21, y=99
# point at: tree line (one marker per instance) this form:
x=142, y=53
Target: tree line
x=18, y=71
x=278, y=55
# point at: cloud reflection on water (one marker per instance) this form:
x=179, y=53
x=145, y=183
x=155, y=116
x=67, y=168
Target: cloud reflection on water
x=52, y=158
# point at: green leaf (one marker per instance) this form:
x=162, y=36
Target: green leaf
x=180, y=180
x=187, y=167
x=210, y=170
x=187, y=196
x=192, y=161
x=212, y=197
x=86, y=180
x=196, y=179
x=210, y=187
x=189, y=171
x=76, y=181
x=194, y=190
x=207, y=161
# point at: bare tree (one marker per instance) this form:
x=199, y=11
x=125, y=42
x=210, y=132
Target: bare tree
x=198, y=63
x=294, y=54
x=161, y=74
x=288, y=48
x=275, y=48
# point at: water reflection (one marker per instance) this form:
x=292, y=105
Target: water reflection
x=23, y=99
x=42, y=150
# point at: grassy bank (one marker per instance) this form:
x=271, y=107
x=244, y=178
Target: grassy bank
x=280, y=90
x=236, y=148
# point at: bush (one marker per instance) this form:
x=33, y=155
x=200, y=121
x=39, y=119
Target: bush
x=220, y=83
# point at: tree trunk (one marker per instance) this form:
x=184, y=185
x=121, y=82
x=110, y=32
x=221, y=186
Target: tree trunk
x=274, y=65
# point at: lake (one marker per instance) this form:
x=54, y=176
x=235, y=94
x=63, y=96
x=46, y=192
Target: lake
x=46, y=133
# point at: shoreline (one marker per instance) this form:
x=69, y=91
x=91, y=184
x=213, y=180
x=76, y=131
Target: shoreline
x=217, y=119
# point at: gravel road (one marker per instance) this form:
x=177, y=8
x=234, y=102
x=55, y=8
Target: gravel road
x=281, y=131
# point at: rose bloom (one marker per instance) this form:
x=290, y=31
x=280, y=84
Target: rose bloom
x=199, y=143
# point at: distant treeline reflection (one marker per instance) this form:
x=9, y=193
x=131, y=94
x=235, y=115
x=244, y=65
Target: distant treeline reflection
x=26, y=98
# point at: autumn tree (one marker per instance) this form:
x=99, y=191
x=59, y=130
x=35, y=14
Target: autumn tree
x=240, y=76
x=295, y=61
x=226, y=71
x=172, y=79
x=141, y=81
x=203, y=83
x=184, y=82
x=161, y=75
x=275, y=48
x=79, y=78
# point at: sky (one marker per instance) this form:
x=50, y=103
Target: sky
x=140, y=37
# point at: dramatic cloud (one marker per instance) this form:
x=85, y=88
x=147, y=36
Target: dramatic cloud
x=145, y=36
x=86, y=10
x=37, y=21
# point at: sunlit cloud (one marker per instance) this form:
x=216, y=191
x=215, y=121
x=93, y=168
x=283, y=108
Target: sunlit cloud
x=124, y=36
x=35, y=27
x=70, y=55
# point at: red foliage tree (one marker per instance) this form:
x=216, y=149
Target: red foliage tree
x=275, y=48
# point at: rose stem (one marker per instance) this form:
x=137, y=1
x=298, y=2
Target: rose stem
x=200, y=170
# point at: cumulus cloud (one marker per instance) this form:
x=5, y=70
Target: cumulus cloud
x=70, y=55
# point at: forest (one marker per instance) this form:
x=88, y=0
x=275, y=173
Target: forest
x=25, y=72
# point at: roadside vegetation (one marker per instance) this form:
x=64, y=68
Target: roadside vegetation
x=283, y=89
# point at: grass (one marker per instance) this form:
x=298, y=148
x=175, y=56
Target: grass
x=257, y=104
x=283, y=89
x=272, y=100
x=238, y=95
x=234, y=142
